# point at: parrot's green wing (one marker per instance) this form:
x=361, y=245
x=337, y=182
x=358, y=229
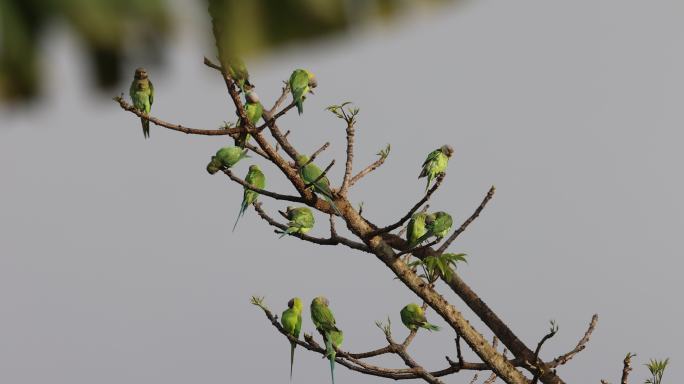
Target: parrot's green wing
x=256, y=178
x=310, y=173
x=299, y=86
x=303, y=218
x=229, y=156
x=416, y=228
x=254, y=112
x=432, y=156
x=238, y=71
x=442, y=224
x=151, y=97
x=301, y=221
x=323, y=318
x=131, y=90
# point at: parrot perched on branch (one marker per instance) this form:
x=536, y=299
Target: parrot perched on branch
x=416, y=228
x=226, y=157
x=310, y=173
x=413, y=318
x=301, y=220
x=437, y=224
x=237, y=70
x=324, y=321
x=291, y=321
x=257, y=179
x=302, y=82
x=142, y=95
x=436, y=163
x=254, y=111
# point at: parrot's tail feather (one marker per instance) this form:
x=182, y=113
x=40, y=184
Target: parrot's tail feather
x=288, y=231
x=243, y=208
x=145, y=127
x=329, y=200
x=292, y=349
x=300, y=106
x=244, y=155
x=429, y=180
x=431, y=327
x=332, y=368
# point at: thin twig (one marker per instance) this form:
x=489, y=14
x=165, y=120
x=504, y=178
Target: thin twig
x=333, y=240
x=315, y=154
x=372, y=167
x=350, y=157
x=270, y=120
x=410, y=213
x=562, y=359
x=321, y=176
x=277, y=146
x=281, y=99
x=466, y=223
x=552, y=333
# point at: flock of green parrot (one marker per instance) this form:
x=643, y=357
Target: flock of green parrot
x=302, y=82
x=412, y=316
x=421, y=227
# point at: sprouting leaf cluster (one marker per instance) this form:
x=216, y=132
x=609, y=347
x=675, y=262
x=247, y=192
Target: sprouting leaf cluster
x=657, y=369
x=347, y=114
x=438, y=266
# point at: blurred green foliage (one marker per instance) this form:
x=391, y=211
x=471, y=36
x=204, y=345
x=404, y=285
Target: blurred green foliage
x=109, y=30
x=115, y=31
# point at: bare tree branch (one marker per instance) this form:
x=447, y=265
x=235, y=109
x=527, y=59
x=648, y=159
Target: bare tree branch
x=562, y=359
x=333, y=240
x=350, y=157
x=315, y=154
x=174, y=127
x=277, y=147
x=281, y=99
x=372, y=167
x=465, y=224
x=552, y=332
x=410, y=213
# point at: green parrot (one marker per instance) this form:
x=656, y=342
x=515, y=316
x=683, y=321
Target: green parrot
x=416, y=228
x=301, y=220
x=436, y=163
x=237, y=70
x=292, y=324
x=324, y=321
x=438, y=224
x=310, y=172
x=256, y=178
x=413, y=318
x=226, y=157
x=254, y=110
x=142, y=94
x=301, y=83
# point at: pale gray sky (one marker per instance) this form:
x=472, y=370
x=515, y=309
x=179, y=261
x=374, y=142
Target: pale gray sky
x=117, y=264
